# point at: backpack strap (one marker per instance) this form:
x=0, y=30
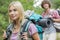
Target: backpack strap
x=9, y=31
x=25, y=26
x=25, y=29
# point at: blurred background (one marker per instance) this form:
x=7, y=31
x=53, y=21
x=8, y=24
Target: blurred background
x=27, y=4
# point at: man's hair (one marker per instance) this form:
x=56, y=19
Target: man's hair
x=45, y=2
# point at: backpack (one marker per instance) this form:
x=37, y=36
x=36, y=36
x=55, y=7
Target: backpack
x=39, y=28
x=33, y=17
x=38, y=21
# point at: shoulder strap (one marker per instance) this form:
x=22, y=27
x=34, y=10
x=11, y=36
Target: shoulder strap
x=9, y=31
x=25, y=26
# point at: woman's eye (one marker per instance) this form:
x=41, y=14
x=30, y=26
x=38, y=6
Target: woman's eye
x=10, y=10
x=14, y=10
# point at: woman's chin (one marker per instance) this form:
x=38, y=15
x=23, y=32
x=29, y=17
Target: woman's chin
x=13, y=19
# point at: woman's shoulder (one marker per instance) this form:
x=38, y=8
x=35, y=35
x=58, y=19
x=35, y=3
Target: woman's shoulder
x=32, y=25
x=32, y=29
x=10, y=26
x=53, y=10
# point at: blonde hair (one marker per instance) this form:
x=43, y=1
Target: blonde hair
x=19, y=7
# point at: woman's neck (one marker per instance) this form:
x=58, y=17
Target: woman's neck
x=17, y=24
x=47, y=11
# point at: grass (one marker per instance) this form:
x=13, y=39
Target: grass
x=58, y=36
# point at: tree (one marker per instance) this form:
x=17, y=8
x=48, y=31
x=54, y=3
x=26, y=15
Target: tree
x=56, y=3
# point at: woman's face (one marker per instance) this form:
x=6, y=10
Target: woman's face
x=46, y=6
x=13, y=13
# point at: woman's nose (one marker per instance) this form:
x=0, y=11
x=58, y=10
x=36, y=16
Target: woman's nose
x=12, y=12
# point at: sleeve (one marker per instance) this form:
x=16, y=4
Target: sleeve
x=32, y=29
x=55, y=14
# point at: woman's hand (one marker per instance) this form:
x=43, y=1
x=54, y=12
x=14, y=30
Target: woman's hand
x=24, y=36
x=4, y=34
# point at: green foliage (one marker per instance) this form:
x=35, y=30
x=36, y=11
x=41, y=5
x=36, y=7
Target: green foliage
x=56, y=4
x=38, y=10
x=27, y=4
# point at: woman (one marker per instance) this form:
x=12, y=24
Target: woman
x=49, y=33
x=16, y=15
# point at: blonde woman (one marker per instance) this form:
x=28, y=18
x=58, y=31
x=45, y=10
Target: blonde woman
x=16, y=15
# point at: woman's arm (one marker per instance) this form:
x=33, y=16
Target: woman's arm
x=56, y=17
x=33, y=31
x=56, y=20
x=35, y=36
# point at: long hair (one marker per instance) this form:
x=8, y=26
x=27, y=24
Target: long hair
x=20, y=9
